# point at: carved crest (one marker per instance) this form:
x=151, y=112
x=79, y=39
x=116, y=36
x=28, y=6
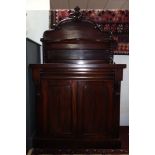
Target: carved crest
x=76, y=15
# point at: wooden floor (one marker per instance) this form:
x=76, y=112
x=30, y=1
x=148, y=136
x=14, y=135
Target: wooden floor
x=124, y=135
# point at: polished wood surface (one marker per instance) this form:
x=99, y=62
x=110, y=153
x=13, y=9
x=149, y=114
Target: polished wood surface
x=79, y=104
x=77, y=87
x=77, y=38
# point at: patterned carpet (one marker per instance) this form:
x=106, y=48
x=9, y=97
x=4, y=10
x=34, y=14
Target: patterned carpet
x=79, y=152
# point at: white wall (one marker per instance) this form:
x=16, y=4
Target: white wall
x=124, y=102
x=37, y=4
x=38, y=22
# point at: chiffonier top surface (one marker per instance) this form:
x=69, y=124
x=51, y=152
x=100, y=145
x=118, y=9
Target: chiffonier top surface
x=78, y=71
x=65, y=65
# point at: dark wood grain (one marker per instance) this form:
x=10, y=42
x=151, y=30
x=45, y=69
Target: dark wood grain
x=77, y=39
x=77, y=88
x=79, y=106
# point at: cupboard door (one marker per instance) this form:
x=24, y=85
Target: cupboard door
x=95, y=109
x=55, y=118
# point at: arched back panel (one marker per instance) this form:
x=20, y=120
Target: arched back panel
x=77, y=38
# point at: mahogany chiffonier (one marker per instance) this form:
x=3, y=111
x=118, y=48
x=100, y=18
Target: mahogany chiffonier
x=77, y=87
